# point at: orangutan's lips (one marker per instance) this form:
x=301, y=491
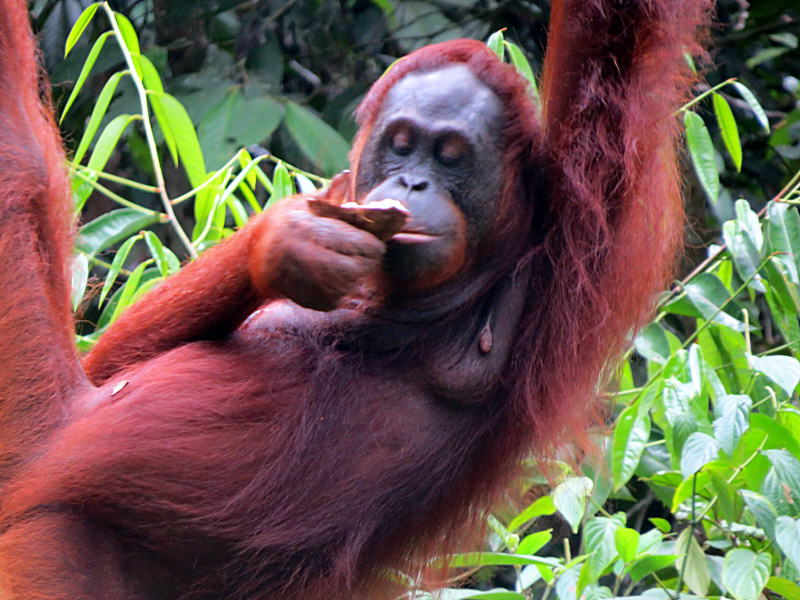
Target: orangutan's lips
x=413, y=237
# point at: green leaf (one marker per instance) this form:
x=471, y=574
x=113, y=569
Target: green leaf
x=707, y=297
x=778, y=435
x=113, y=227
x=652, y=343
x=650, y=564
x=729, y=504
x=128, y=291
x=597, y=592
x=680, y=420
x=129, y=38
x=98, y=112
x=787, y=534
x=185, y=136
x=599, y=538
x=787, y=471
x=529, y=575
x=762, y=510
x=779, y=494
x=699, y=449
x=702, y=153
x=495, y=43
x=702, y=375
x=204, y=203
x=727, y=128
x=784, y=587
x=119, y=260
x=733, y=419
x=662, y=524
x=79, y=277
x=322, y=144
x=148, y=278
x=143, y=287
x=696, y=573
x=85, y=70
x=108, y=141
x=570, y=499
x=751, y=101
x=150, y=77
x=483, y=559
x=783, y=370
x=783, y=233
x=784, y=289
x=420, y=22
x=745, y=255
x=237, y=210
x=744, y=573
x=625, y=377
x=764, y=55
x=789, y=418
x=523, y=66
x=282, y=186
x=540, y=507
x=631, y=433
x=650, y=541
x=244, y=160
x=534, y=542
x=239, y=183
x=783, y=300
x=749, y=222
x=567, y=584
x=726, y=351
x=626, y=541
x=787, y=39
x=237, y=121
x=166, y=261
x=247, y=192
x=80, y=26
x=157, y=104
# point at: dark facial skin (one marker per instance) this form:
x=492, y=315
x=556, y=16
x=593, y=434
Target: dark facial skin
x=436, y=148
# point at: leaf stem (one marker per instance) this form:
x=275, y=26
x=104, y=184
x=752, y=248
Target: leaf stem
x=691, y=527
x=112, y=195
x=148, y=132
x=117, y=179
x=708, y=92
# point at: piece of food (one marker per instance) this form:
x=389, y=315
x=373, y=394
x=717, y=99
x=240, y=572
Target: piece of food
x=383, y=218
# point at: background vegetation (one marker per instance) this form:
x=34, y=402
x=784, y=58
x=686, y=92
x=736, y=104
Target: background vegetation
x=698, y=492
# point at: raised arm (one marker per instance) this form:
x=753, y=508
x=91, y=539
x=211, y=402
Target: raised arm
x=615, y=74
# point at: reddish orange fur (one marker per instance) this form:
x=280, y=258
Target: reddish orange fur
x=255, y=464
x=35, y=245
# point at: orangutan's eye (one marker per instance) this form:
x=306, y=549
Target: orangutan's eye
x=402, y=142
x=451, y=150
